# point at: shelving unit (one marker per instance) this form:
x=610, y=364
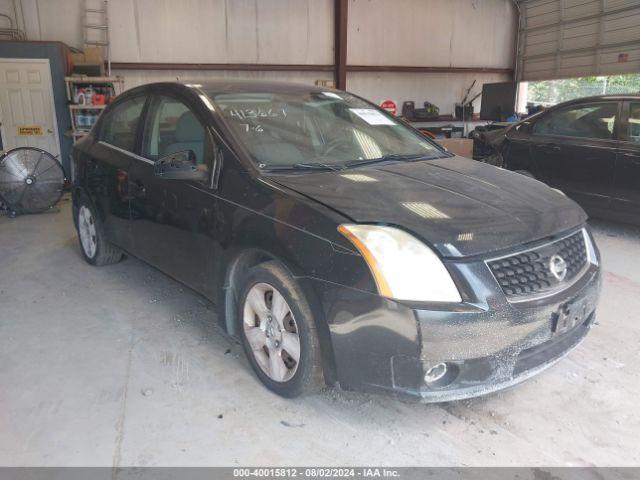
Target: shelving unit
x=81, y=96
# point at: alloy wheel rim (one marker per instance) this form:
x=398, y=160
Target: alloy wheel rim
x=272, y=332
x=87, y=231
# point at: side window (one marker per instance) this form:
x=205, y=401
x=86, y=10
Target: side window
x=634, y=123
x=172, y=128
x=586, y=121
x=120, y=125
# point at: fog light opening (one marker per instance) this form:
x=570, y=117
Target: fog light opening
x=441, y=375
x=435, y=373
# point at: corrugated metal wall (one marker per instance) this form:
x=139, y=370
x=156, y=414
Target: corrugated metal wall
x=437, y=33
x=448, y=33
x=574, y=38
x=452, y=33
x=192, y=31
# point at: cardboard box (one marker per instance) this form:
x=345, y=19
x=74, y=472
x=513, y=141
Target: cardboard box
x=90, y=56
x=93, y=55
x=76, y=58
x=90, y=62
x=459, y=146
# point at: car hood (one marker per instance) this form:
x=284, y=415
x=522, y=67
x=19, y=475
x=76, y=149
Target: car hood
x=459, y=206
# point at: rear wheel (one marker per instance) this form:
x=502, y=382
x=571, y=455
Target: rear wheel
x=96, y=250
x=278, y=331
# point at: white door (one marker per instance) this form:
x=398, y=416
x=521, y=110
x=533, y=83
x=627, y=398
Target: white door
x=27, y=113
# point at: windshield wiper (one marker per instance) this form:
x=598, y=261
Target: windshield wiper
x=401, y=157
x=304, y=166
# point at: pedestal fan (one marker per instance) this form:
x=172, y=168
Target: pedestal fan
x=31, y=180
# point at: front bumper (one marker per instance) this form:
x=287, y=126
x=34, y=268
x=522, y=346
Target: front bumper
x=380, y=345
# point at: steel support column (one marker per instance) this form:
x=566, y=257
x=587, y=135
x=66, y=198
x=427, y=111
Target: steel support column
x=341, y=9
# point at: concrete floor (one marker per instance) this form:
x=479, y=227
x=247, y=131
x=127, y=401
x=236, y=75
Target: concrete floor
x=120, y=365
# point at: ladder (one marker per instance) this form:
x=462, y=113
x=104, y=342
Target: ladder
x=97, y=19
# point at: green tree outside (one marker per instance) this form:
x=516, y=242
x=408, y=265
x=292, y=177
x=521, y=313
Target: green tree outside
x=551, y=92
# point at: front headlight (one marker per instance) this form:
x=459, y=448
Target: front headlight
x=590, y=247
x=403, y=267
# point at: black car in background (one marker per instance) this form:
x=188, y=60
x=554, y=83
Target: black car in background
x=587, y=148
x=339, y=245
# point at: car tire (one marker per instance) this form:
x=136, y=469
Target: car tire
x=94, y=246
x=526, y=173
x=268, y=329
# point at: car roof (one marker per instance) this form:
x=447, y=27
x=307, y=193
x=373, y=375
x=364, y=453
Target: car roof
x=598, y=98
x=221, y=86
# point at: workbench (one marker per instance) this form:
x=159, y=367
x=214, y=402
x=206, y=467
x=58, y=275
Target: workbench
x=446, y=126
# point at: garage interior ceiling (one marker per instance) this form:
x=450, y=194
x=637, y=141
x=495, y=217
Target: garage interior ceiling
x=576, y=38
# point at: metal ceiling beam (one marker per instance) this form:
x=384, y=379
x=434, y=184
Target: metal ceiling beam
x=270, y=67
x=251, y=67
x=425, y=69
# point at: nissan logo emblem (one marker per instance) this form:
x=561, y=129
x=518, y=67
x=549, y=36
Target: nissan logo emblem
x=558, y=267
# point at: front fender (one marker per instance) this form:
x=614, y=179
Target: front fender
x=272, y=224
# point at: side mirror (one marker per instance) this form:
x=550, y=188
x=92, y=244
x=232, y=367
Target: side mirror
x=179, y=166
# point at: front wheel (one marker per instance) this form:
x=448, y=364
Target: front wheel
x=278, y=331
x=96, y=250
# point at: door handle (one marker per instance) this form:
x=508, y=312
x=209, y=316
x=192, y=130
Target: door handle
x=633, y=158
x=139, y=189
x=548, y=146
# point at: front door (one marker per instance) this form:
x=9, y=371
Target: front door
x=172, y=220
x=627, y=178
x=107, y=164
x=27, y=112
x=574, y=149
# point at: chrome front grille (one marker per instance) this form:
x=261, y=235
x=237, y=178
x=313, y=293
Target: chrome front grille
x=531, y=273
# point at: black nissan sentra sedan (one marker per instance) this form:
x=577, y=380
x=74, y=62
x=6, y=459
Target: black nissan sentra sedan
x=588, y=148
x=340, y=246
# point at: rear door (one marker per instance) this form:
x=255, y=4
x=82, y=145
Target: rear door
x=626, y=198
x=574, y=149
x=172, y=219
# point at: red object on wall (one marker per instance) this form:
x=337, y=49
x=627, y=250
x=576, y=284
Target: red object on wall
x=390, y=106
x=98, y=99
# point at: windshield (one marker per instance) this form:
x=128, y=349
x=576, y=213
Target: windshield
x=328, y=129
